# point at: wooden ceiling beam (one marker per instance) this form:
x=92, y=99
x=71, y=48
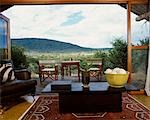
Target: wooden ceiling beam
x=27, y=2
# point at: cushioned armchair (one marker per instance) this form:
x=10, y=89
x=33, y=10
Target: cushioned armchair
x=14, y=88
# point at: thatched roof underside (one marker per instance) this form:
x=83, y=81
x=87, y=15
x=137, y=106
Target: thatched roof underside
x=139, y=9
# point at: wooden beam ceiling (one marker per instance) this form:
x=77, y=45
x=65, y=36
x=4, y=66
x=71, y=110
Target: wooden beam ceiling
x=26, y=2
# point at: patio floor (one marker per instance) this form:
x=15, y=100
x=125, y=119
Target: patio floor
x=40, y=86
x=74, y=78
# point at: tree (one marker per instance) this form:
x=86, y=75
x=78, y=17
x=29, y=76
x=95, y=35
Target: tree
x=118, y=55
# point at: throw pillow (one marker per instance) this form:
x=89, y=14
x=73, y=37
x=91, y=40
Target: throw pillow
x=6, y=73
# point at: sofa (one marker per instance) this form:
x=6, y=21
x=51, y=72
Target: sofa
x=13, y=89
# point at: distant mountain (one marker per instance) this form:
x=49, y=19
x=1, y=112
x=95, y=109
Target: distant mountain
x=47, y=45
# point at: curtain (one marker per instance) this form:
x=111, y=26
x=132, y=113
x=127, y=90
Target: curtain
x=147, y=85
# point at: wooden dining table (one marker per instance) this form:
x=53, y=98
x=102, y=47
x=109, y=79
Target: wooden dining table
x=69, y=64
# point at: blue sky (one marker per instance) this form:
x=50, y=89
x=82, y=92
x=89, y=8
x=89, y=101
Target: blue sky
x=84, y=25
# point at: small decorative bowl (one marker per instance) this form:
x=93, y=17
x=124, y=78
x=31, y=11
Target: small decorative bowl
x=117, y=80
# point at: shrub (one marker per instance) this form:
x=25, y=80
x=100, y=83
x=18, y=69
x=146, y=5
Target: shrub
x=104, y=56
x=33, y=64
x=18, y=57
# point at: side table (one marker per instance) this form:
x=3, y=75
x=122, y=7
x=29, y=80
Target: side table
x=22, y=74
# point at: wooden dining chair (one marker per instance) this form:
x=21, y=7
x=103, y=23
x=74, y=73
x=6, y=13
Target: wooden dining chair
x=96, y=67
x=48, y=69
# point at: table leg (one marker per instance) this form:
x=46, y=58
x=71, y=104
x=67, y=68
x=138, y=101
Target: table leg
x=62, y=72
x=78, y=72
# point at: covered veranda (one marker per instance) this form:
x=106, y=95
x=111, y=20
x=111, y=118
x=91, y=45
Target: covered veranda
x=139, y=7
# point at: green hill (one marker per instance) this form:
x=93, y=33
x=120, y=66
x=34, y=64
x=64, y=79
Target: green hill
x=47, y=45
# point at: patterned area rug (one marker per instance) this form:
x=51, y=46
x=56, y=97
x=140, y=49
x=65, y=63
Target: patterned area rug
x=47, y=108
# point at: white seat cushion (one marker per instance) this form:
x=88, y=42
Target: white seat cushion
x=48, y=69
x=94, y=69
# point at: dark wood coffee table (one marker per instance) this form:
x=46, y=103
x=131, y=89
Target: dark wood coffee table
x=98, y=98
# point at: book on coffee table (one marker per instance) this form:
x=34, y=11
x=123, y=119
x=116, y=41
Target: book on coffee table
x=61, y=86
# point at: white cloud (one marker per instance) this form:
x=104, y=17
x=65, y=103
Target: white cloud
x=98, y=26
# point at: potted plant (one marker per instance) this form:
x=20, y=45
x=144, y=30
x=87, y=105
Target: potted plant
x=85, y=66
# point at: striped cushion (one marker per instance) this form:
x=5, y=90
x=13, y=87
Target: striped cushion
x=6, y=73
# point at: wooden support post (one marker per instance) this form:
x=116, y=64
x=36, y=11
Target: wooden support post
x=129, y=60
